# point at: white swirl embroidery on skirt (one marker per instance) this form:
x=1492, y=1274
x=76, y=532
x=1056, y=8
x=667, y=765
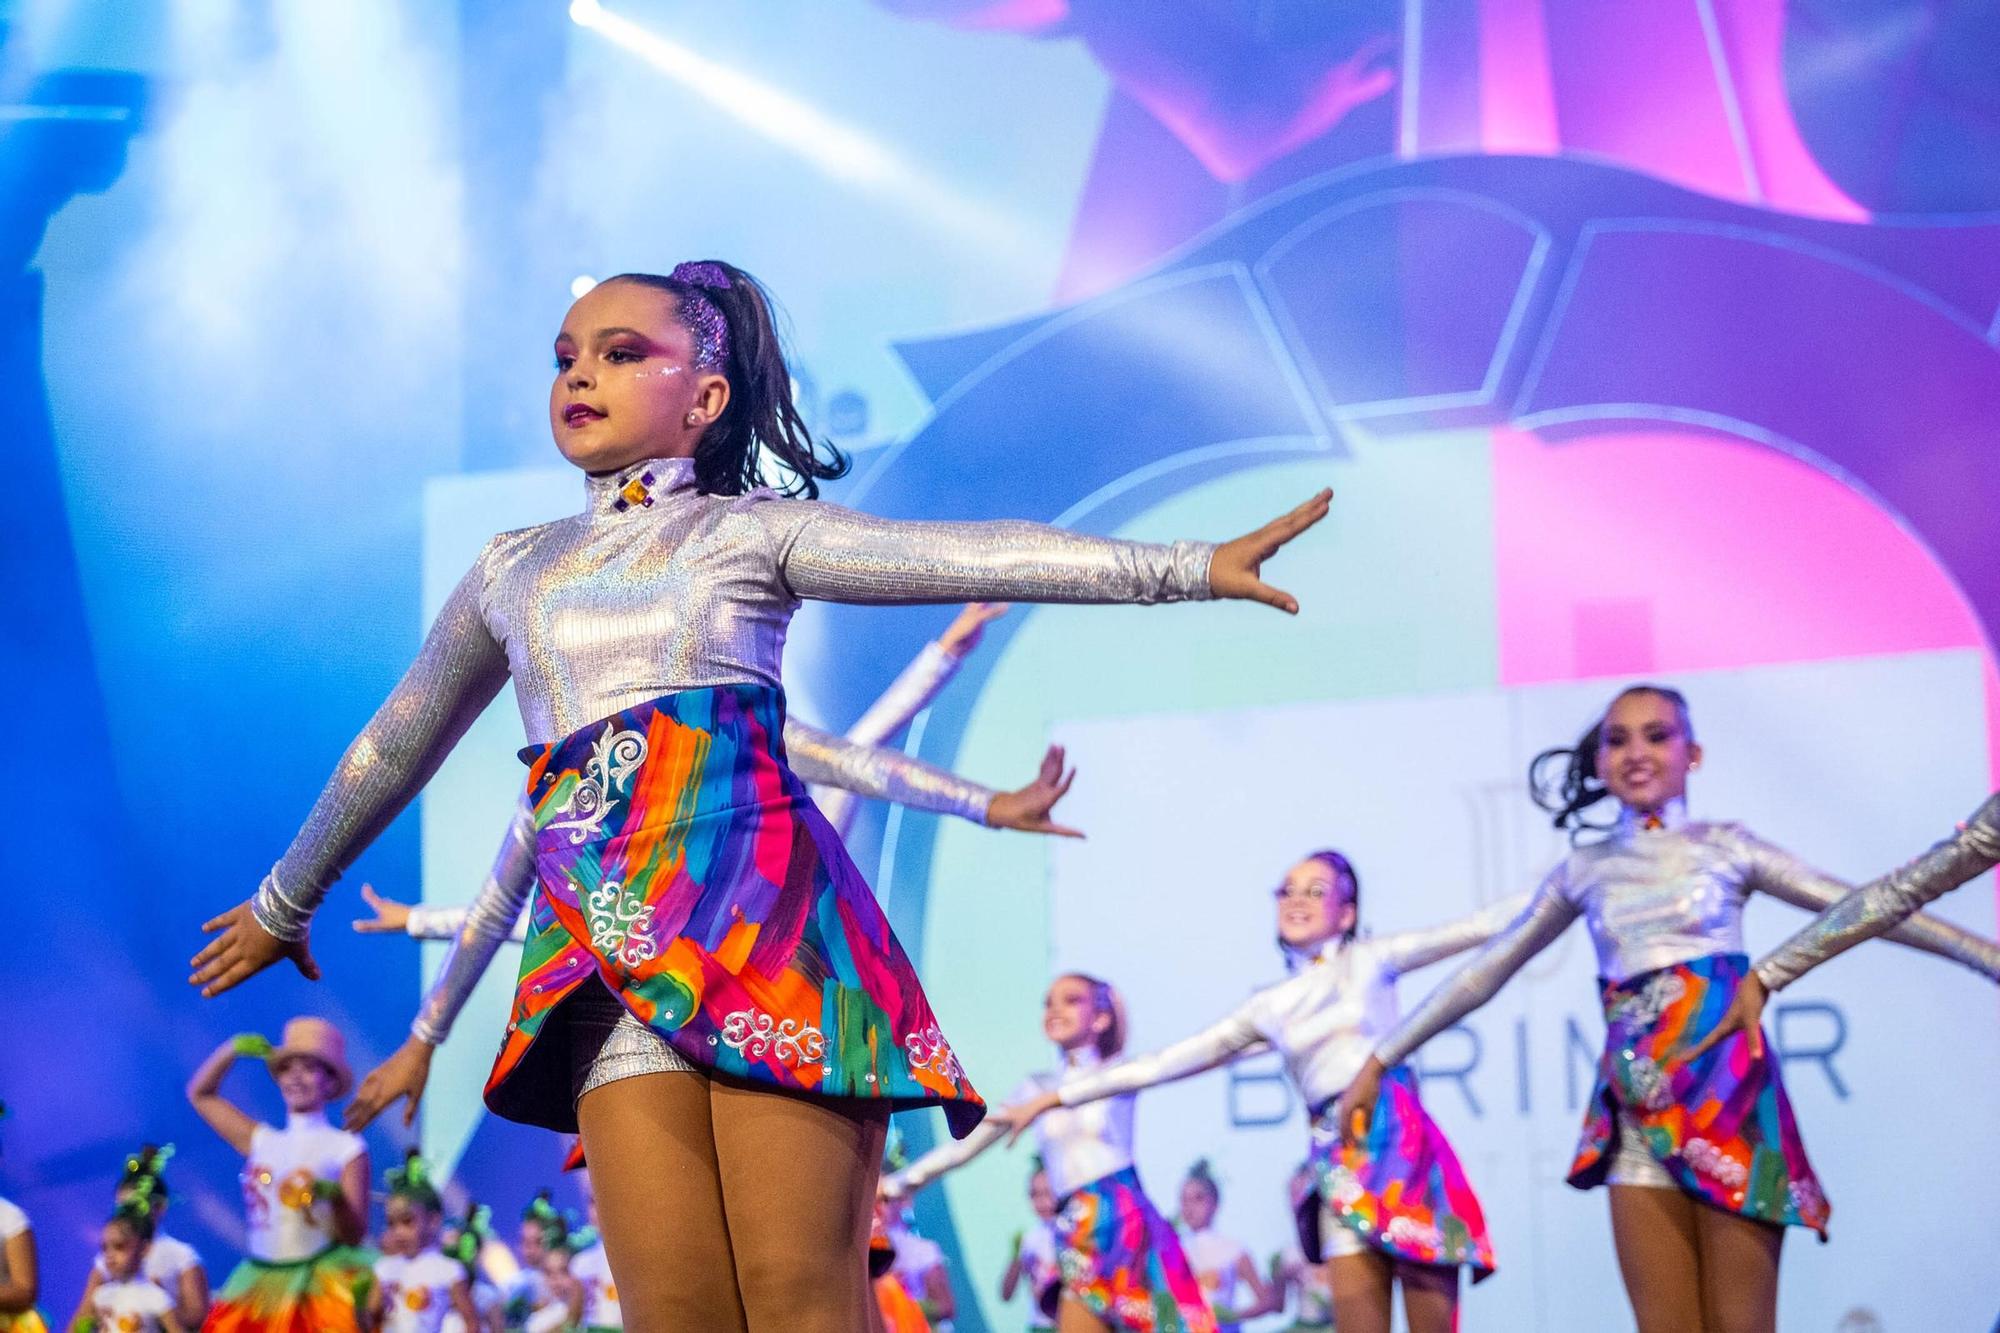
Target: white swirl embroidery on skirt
x=614, y=757
x=620, y=927
x=754, y=1032
x=928, y=1050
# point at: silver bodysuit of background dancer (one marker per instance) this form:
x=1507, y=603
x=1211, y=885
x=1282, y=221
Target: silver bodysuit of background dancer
x=655, y=588
x=1653, y=898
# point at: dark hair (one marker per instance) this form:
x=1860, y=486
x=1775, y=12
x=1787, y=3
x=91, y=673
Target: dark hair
x=1104, y=997
x=542, y=1211
x=760, y=416
x=1343, y=869
x=412, y=1182
x=144, y=1173
x=1202, y=1174
x=1564, y=781
x=140, y=1214
x=473, y=1230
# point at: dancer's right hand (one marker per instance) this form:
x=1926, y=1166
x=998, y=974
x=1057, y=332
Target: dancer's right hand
x=1027, y=808
x=1745, y=1015
x=1233, y=570
x=403, y=1074
x=241, y=951
x=1017, y=1118
x=390, y=915
x=1357, y=1105
x=969, y=627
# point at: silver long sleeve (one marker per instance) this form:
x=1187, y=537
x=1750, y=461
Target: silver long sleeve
x=1231, y=1039
x=909, y=694
x=1785, y=877
x=457, y=672
x=1547, y=915
x=884, y=774
x=425, y=922
x=1882, y=904
x=841, y=555
x=495, y=908
x=1408, y=950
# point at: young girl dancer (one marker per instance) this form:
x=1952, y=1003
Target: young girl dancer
x=1034, y=1258
x=838, y=764
x=119, y=1297
x=1396, y=1209
x=1971, y=851
x=416, y=1283
x=709, y=989
x=1221, y=1264
x=465, y=1240
x=543, y=1228
x=1705, y=1164
x=170, y=1264
x=305, y=1189
x=1122, y=1266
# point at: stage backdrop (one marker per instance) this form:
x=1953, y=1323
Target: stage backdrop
x=1655, y=344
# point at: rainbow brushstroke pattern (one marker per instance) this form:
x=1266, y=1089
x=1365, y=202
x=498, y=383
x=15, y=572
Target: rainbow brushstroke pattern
x=681, y=861
x=1122, y=1261
x=324, y=1294
x=1402, y=1188
x=1721, y=1125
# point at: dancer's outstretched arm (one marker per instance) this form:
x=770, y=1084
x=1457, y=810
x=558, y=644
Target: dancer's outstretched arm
x=842, y=555
x=1235, y=1037
x=1408, y=950
x=1863, y=914
x=1782, y=875
x=457, y=672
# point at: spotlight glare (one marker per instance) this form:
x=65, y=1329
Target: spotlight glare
x=584, y=12
x=580, y=284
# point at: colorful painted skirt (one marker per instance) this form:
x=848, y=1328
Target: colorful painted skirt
x=27, y=1321
x=1122, y=1261
x=681, y=861
x=1721, y=1125
x=1402, y=1190
x=327, y=1293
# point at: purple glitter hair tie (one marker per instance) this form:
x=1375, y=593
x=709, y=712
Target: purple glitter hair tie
x=701, y=314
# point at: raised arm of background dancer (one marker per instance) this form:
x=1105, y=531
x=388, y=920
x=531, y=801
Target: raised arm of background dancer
x=1782, y=875
x=1232, y=1039
x=204, y=1092
x=457, y=672
x=825, y=551
x=1408, y=950
x=1869, y=911
x=1546, y=916
x=946, y=1157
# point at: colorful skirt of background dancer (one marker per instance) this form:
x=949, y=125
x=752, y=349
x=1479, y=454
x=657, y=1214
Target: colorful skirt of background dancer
x=681, y=861
x=1122, y=1261
x=327, y=1293
x=1720, y=1125
x=27, y=1321
x=1401, y=1190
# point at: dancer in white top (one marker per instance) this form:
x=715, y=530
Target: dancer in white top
x=1221, y=1263
x=416, y=1283
x=120, y=1298
x=305, y=1189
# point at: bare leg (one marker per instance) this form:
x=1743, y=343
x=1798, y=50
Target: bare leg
x=798, y=1189
x=1430, y=1297
x=1363, y=1288
x=651, y=1150
x=1659, y=1256
x=1739, y=1271
x=1075, y=1317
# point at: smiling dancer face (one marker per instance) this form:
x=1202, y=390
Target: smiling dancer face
x=1318, y=900
x=1645, y=749
x=1081, y=1013
x=306, y=1084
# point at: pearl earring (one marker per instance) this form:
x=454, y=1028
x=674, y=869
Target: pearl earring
x=693, y=417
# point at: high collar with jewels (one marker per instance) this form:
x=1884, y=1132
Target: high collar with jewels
x=1669, y=818
x=636, y=488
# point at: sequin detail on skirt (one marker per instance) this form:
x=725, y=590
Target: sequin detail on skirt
x=1722, y=1125
x=679, y=859
x=1401, y=1190
x=1122, y=1261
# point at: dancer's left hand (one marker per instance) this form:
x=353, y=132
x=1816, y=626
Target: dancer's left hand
x=242, y=950
x=403, y=1074
x=1234, y=568
x=1357, y=1105
x=1017, y=1118
x=1745, y=1014
x=1027, y=808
